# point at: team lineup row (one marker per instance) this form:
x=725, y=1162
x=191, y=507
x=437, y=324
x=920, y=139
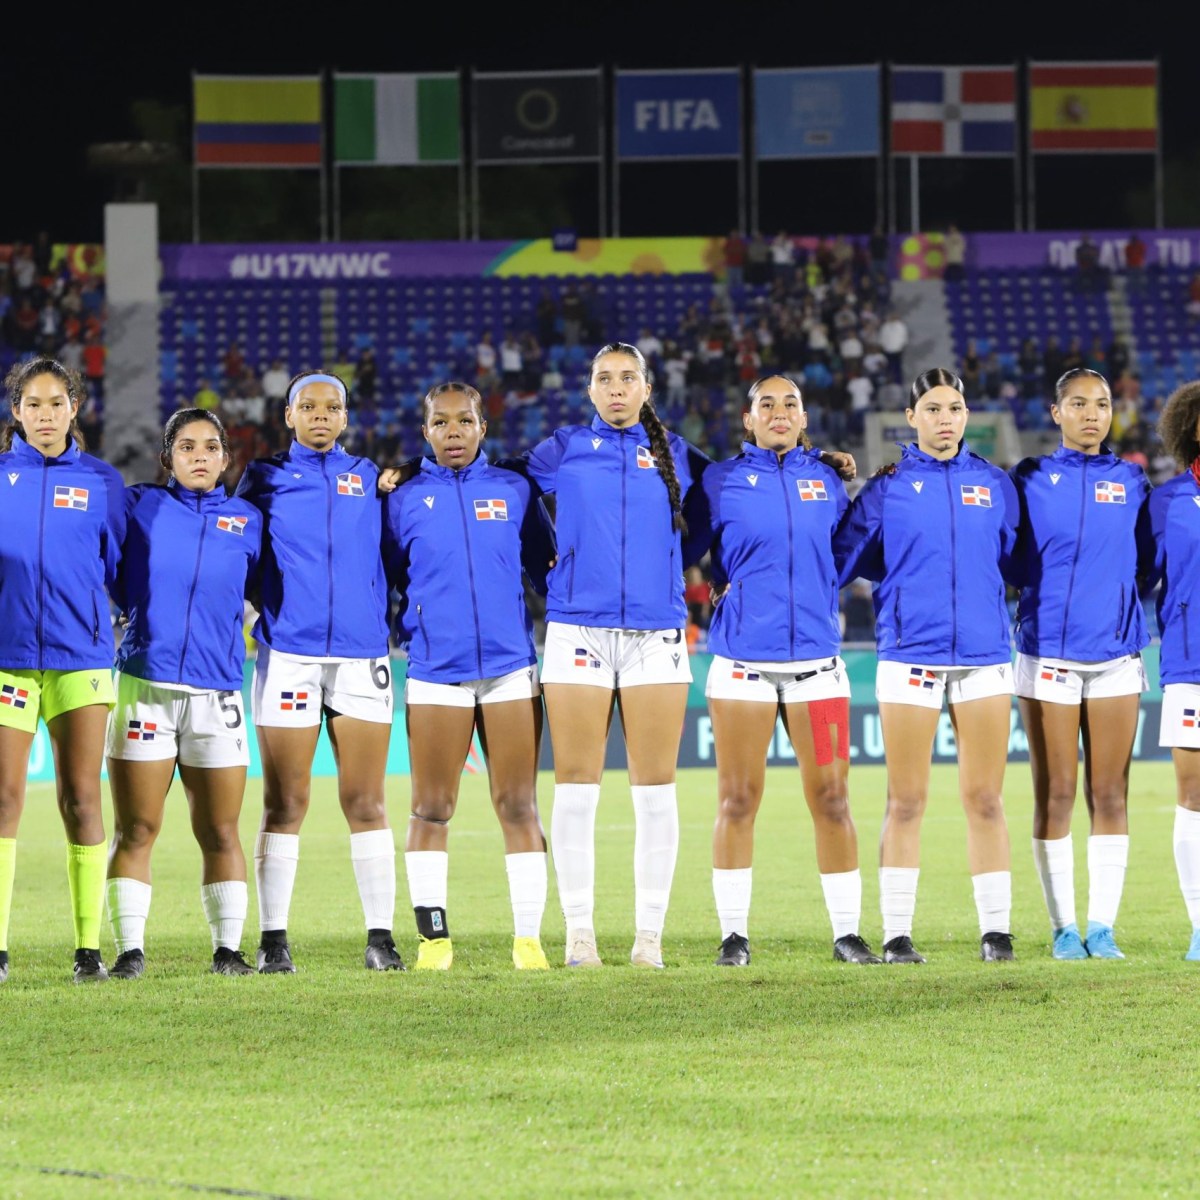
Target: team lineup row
x=319, y=538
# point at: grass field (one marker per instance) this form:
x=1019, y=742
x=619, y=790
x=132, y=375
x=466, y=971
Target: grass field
x=795, y=1076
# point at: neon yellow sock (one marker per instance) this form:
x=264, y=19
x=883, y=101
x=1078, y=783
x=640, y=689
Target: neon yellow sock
x=8, y=871
x=86, y=868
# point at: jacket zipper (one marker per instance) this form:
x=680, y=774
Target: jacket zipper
x=787, y=508
x=187, y=619
x=624, y=475
x=95, y=621
x=42, y=569
x=1183, y=610
x=740, y=601
x=421, y=626
x=328, y=551
x=462, y=507
x=953, y=567
x=1062, y=650
x=570, y=557
x=899, y=623
x=1121, y=614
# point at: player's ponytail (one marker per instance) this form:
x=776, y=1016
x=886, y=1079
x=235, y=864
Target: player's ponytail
x=19, y=377
x=656, y=431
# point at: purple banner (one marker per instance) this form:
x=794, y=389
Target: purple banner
x=313, y=262
x=1164, y=247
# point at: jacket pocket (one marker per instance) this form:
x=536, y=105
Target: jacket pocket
x=95, y=619
x=1121, y=613
x=898, y=620
x=421, y=627
x=740, y=599
x=1183, y=614
x=569, y=563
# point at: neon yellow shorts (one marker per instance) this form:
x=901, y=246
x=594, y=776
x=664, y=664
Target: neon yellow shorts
x=27, y=695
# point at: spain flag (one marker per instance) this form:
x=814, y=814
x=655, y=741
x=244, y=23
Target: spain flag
x=1106, y=107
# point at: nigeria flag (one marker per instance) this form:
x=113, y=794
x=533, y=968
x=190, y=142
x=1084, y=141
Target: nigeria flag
x=396, y=120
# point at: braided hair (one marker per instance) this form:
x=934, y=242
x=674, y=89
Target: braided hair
x=656, y=431
x=19, y=377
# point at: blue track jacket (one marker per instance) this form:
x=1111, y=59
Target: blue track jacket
x=1175, y=523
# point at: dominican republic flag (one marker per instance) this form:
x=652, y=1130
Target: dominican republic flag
x=15, y=697
x=584, y=659
x=349, y=485
x=1189, y=718
x=491, y=510
x=69, y=497
x=293, y=701
x=739, y=672
x=1110, y=493
x=954, y=111
x=1053, y=675
x=646, y=460
x=232, y=524
x=812, y=489
x=977, y=494
x=141, y=731
x=920, y=678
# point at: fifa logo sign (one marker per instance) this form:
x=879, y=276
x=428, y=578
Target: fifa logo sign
x=675, y=116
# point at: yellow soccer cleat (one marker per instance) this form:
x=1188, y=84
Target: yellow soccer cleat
x=435, y=954
x=528, y=955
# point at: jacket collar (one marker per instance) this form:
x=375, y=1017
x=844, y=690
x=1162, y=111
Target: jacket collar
x=911, y=452
x=768, y=458
x=1062, y=454
x=314, y=458
x=472, y=470
x=203, y=502
x=610, y=432
x=24, y=452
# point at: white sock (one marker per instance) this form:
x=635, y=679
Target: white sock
x=1108, y=855
x=224, y=907
x=128, y=908
x=1054, y=860
x=843, y=899
x=731, y=891
x=428, y=877
x=573, y=839
x=993, y=901
x=655, y=848
x=373, y=856
x=1187, y=860
x=527, y=891
x=897, y=900
x=275, y=859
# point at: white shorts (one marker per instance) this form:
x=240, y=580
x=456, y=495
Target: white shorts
x=907, y=683
x=290, y=692
x=200, y=729
x=614, y=658
x=521, y=684
x=1063, y=681
x=777, y=683
x=1179, y=717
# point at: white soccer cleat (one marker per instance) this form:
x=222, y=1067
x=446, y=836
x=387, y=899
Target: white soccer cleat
x=647, y=950
x=581, y=949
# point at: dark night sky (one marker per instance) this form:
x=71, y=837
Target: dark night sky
x=67, y=88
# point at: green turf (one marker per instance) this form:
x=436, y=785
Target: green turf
x=796, y=1076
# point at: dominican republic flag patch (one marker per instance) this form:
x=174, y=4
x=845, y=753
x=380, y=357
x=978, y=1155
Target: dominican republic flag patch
x=1189, y=718
x=1053, y=675
x=349, y=484
x=293, y=701
x=232, y=524
x=141, y=731
x=1110, y=493
x=920, y=678
x=976, y=494
x=740, y=672
x=646, y=460
x=585, y=659
x=491, y=510
x=14, y=697
x=812, y=489
x=69, y=497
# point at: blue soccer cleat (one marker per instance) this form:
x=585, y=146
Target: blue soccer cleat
x=1068, y=945
x=1193, y=954
x=1099, y=943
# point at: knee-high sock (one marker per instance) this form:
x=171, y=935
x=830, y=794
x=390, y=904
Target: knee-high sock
x=8, y=871
x=843, y=899
x=225, y=905
x=276, y=856
x=1054, y=861
x=731, y=891
x=1187, y=860
x=128, y=908
x=1108, y=855
x=993, y=901
x=86, y=868
x=655, y=848
x=573, y=839
x=527, y=891
x=898, y=900
x=373, y=854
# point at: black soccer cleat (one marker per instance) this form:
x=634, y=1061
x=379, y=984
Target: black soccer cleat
x=130, y=965
x=852, y=949
x=382, y=955
x=735, y=951
x=901, y=950
x=89, y=968
x=3, y=965
x=274, y=958
x=996, y=947
x=229, y=962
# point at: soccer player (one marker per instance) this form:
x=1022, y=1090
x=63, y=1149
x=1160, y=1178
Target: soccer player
x=190, y=553
x=455, y=538
x=60, y=538
x=775, y=637
x=934, y=532
x=322, y=650
x=1173, y=519
x=615, y=616
x=1084, y=536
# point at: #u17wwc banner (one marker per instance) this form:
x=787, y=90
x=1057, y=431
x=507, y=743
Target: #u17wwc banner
x=679, y=114
x=819, y=112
